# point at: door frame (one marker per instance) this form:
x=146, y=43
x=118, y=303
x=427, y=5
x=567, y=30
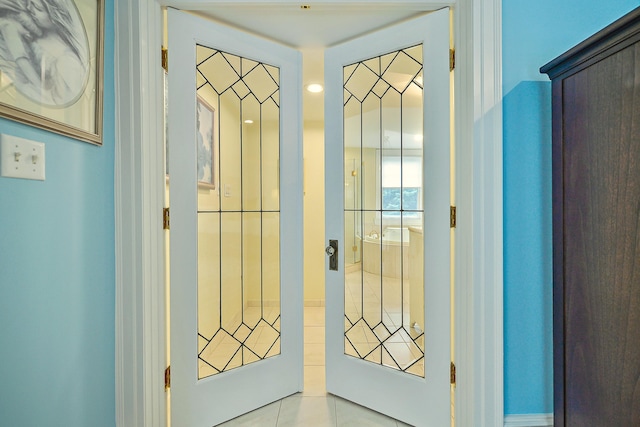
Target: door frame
x=139, y=194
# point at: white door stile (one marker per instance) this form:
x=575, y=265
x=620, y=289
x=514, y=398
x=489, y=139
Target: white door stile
x=409, y=398
x=229, y=394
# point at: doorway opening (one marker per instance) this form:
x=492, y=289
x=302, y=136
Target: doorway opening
x=139, y=199
x=313, y=301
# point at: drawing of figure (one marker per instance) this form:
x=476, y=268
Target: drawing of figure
x=204, y=134
x=44, y=50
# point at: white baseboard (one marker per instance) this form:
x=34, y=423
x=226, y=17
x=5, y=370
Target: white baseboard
x=528, y=420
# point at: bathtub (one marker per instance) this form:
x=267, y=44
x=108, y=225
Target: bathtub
x=392, y=246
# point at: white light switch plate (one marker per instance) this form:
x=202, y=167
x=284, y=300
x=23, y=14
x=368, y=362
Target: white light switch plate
x=21, y=158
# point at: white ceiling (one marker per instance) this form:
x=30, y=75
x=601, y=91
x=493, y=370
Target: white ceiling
x=318, y=26
x=310, y=30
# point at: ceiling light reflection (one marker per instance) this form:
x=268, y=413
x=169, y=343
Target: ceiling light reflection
x=315, y=88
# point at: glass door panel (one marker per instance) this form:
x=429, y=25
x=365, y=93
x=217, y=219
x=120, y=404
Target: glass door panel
x=352, y=219
x=270, y=172
x=240, y=321
x=383, y=118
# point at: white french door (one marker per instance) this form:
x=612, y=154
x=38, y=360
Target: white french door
x=234, y=114
x=387, y=133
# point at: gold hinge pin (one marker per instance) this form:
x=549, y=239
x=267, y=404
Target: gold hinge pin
x=452, y=59
x=165, y=59
x=453, y=373
x=452, y=217
x=167, y=378
x=165, y=218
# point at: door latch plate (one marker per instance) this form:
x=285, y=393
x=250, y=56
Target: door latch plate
x=332, y=251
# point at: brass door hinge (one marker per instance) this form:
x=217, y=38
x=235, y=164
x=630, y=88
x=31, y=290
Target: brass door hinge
x=452, y=59
x=165, y=59
x=452, y=217
x=167, y=378
x=165, y=218
x=452, y=373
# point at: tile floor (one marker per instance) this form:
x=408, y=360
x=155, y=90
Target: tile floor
x=379, y=299
x=313, y=407
x=371, y=301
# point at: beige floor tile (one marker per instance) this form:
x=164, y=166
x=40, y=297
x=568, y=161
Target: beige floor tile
x=314, y=334
x=349, y=414
x=314, y=316
x=314, y=355
x=307, y=411
x=314, y=407
x=267, y=416
x=402, y=353
x=314, y=381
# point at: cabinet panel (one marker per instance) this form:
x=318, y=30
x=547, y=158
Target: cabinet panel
x=596, y=202
x=602, y=242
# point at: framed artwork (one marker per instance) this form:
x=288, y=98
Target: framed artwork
x=51, y=62
x=206, y=142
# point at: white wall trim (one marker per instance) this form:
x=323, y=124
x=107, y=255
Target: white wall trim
x=140, y=297
x=139, y=195
x=479, y=259
x=529, y=420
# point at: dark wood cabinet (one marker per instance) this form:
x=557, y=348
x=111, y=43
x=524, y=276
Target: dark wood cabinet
x=596, y=228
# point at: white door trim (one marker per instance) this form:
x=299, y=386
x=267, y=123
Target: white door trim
x=139, y=196
x=140, y=295
x=478, y=244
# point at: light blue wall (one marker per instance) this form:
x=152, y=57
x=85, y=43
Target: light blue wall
x=534, y=33
x=57, y=241
x=57, y=280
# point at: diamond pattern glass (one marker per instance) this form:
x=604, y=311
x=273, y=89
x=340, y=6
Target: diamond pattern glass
x=238, y=212
x=384, y=294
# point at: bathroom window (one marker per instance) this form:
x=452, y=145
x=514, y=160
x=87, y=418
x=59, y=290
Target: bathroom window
x=401, y=185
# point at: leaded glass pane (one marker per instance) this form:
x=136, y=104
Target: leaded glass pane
x=384, y=290
x=238, y=211
x=270, y=153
